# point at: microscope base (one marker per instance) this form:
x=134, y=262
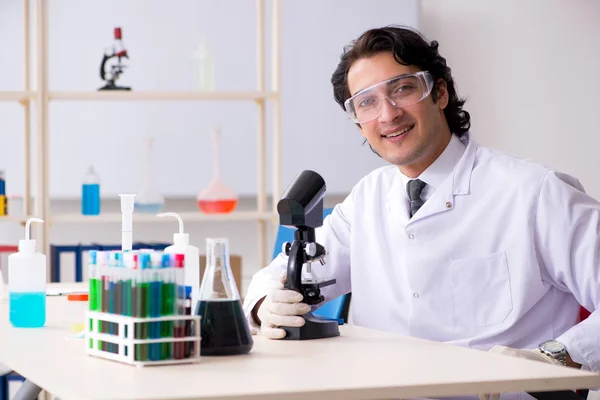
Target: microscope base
x=114, y=87
x=314, y=328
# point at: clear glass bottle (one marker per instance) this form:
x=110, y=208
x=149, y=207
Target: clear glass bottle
x=149, y=200
x=90, y=193
x=223, y=326
x=205, y=67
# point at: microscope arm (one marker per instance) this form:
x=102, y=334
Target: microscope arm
x=294, y=267
x=102, y=65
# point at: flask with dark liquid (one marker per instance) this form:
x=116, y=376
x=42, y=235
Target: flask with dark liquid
x=223, y=327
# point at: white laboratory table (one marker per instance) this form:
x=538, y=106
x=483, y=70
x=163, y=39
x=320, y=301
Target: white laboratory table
x=360, y=364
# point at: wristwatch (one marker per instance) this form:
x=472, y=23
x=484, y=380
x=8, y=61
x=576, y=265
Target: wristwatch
x=554, y=349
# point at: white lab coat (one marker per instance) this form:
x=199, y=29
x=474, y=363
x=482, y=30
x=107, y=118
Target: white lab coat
x=503, y=252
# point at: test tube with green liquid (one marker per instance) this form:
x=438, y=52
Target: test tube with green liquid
x=167, y=304
x=93, y=294
x=143, y=304
x=179, y=347
x=154, y=304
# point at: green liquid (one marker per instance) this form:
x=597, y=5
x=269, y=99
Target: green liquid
x=127, y=306
x=99, y=299
x=93, y=303
x=145, y=309
x=93, y=295
x=166, y=327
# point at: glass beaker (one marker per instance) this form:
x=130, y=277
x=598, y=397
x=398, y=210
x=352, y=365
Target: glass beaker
x=223, y=326
x=217, y=197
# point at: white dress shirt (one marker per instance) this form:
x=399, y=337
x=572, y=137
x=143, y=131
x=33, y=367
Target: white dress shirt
x=504, y=251
x=439, y=170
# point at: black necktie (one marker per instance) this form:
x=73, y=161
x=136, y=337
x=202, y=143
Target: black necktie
x=413, y=189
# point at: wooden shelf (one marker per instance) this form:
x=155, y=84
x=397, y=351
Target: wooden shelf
x=37, y=136
x=160, y=95
x=15, y=96
x=152, y=218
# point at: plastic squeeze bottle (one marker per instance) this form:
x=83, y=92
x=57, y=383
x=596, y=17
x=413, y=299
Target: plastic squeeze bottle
x=27, y=283
x=191, y=269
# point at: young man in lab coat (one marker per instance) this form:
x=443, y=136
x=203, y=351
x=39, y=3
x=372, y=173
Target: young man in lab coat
x=451, y=242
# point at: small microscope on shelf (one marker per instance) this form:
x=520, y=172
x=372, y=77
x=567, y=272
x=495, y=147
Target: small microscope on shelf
x=301, y=206
x=113, y=65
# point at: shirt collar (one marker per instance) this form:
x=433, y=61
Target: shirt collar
x=439, y=170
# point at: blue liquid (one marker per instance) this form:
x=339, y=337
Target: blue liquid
x=27, y=309
x=90, y=199
x=151, y=208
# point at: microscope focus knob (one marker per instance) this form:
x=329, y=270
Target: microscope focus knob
x=310, y=249
x=285, y=248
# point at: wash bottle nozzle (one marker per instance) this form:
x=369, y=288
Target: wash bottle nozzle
x=27, y=244
x=127, y=221
x=181, y=245
x=181, y=238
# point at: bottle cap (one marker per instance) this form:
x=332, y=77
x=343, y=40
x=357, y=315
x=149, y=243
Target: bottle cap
x=144, y=260
x=179, y=260
x=77, y=297
x=27, y=245
x=93, y=257
x=118, y=33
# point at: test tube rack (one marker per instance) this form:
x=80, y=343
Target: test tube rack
x=126, y=349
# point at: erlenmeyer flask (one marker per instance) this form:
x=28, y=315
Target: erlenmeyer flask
x=223, y=326
x=217, y=197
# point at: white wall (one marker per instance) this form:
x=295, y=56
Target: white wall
x=161, y=39
x=530, y=72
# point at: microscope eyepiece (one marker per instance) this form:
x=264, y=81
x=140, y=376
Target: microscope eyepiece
x=302, y=203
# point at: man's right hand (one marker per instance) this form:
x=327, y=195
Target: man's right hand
x=281, y=307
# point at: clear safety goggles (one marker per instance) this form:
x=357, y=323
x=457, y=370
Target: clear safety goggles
x=400, y=91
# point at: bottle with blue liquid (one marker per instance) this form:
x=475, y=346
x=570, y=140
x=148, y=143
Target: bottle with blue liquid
x=90, y=193
x=27, y=284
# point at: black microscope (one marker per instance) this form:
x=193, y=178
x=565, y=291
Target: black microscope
x=301, y=206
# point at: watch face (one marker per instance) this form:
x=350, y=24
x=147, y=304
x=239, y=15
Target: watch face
x=553, y=346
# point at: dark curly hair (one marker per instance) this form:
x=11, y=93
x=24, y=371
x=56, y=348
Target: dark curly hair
x=409, y=48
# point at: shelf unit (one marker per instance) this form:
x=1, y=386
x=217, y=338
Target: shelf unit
x=163, y=96
x=37, y=100
x=16, y=96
